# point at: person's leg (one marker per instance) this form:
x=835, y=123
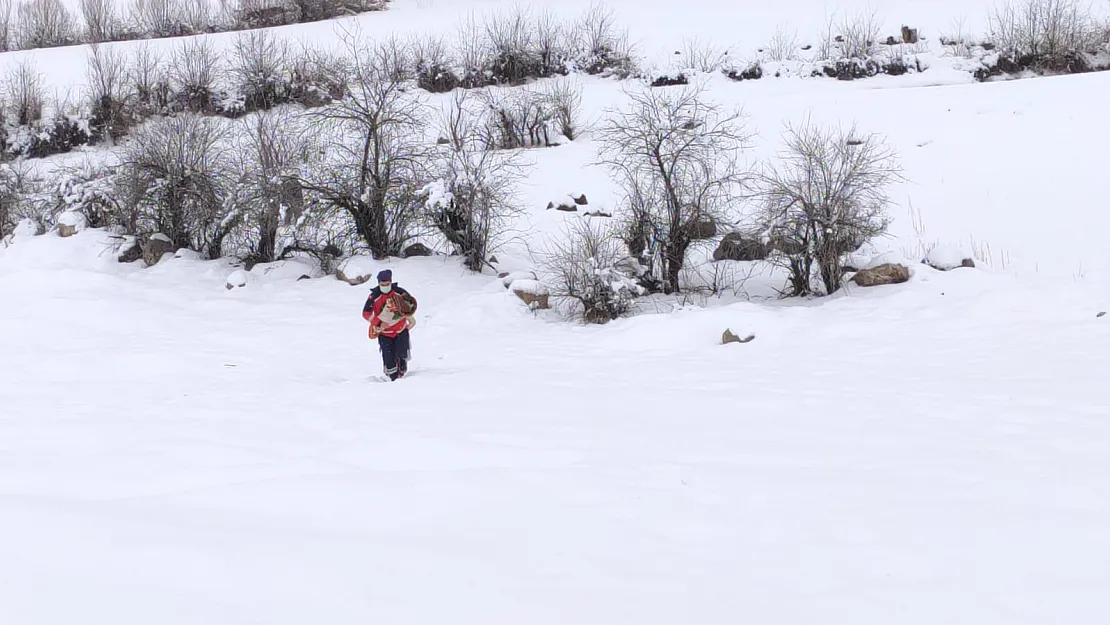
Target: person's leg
x=401, y=352
x=389, y=355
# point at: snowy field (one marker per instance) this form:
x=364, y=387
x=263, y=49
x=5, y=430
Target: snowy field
x=177, y=453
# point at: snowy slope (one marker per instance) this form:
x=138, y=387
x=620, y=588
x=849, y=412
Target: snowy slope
x=174, y=452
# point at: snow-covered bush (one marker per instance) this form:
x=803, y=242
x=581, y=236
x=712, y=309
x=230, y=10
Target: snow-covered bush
x=600, y=47
x=824, y=199
x=174, y=177
x=1045, y=34
x=432, y=64
x=676, y=159
x=24, y=94
x=524, y=118
x=587, y=271
x=270, y=151
x=86, y=189
x=259, y=66
x=371, y=153
x=471, y=202
x=107, y=79
x=194, y=68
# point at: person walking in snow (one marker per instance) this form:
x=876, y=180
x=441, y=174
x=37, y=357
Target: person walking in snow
x=389, y=309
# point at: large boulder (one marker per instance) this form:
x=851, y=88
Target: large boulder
x=736, y=246
x=416, y=249
x=28, y=228
x=533, y=293
x=889, y=273
x=947, y=258
x=157, y=246
x=70, y=223
x=129, y=250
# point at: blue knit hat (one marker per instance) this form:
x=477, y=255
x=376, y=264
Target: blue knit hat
x=385, y=275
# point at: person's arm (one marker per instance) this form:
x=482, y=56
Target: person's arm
x=368, y=312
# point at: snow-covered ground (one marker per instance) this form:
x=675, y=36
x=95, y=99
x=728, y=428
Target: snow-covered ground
x=175, y=452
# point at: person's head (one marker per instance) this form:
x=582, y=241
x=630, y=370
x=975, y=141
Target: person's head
x=385, y=280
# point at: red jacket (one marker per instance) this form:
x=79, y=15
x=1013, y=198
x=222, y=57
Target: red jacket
x=389, y=311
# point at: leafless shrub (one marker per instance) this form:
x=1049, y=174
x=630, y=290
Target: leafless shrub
x=432, y=64
x=566, y=105
x=371, y=153
x=100, y=19
x=587, y=271
x=271, y=153
x=259, y=66
x=44, y=24
x=676, y=158
x=472, y=51
x=1045, y=31
x=702, y=56
x=197, y=16
x=519, y=118
x=825, y=198
x=551, y=47
x=174, y=174
x=601, y=48
x=5, y=25
x=24, y=93
x=158, y=18
x=148, y=81
x=317, y=77
x=514, y=51
x=471, y=202
x=783, y=45
x=860, y=34
x=107, y=74
x=194, y=68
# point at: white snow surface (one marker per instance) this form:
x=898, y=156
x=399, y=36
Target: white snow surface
x=174, y=452
x=178, y=453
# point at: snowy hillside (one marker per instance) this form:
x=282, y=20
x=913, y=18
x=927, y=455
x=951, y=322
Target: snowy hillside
x=190, y=441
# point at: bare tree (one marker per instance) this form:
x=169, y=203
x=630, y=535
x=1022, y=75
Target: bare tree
x=44, y=24
x=107, y=77
x=196, y=16
x=148, y=81
x=194, y=69
x=472, y=201
x=825, y=198
x=100, y=19
x=271, y=153
x=24, y=93
x=158, y=18
x=372, y=155
x=259, y=64
x=676, y=159
x=5, y=25
x=176, y=171
x=587, y=270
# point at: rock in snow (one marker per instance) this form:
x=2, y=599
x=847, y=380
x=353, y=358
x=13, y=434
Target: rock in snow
x=947, y=258
x=157, y=246
x=70, y=223
x=883, y=274
x=357, y=270
x=238, y=279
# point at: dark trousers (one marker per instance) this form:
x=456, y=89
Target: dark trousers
x=395, y=352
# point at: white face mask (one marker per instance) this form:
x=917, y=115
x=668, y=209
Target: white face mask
x=386, y=289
